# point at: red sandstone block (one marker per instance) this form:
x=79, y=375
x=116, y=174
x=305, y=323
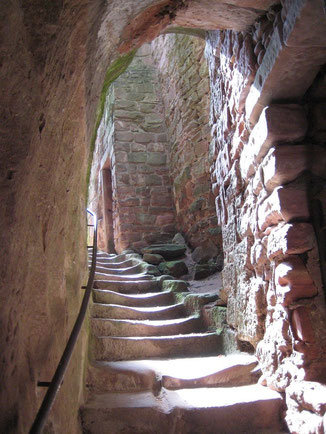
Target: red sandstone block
x=284, y=164
x=278, y=123
x=284, y=204
x=164, y=219
x=293, y=281
x=301, y=325
x=162, y=200
x=131, y=201
x=290, y=239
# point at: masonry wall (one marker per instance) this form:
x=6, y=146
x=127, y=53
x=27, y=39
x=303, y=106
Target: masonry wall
x=132, y=142
x=184, y=79
x=266, y=163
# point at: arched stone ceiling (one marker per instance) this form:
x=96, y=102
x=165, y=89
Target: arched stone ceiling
x=117, y=27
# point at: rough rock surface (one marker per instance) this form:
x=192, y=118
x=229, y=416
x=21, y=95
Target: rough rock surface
x=151, y=258
x=174, y=268
x=168, y=251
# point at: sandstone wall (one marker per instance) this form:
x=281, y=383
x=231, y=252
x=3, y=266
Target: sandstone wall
x=132, y=142
x=43, y=166
x=184, y=80
x=261, y=177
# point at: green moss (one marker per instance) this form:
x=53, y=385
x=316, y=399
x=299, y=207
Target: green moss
x=218, y=318
x=113, y=72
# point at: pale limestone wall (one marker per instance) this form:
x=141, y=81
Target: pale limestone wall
x=132, y=141
x=184, y=80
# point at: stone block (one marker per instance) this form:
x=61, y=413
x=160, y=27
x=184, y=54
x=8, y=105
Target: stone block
x=168, y=251
x=138, y=147
x=164, y=219
x=144, y=137
x=290, y=239
x=156, y=158
x=146, y=219
x=151, y=258
x=174, y=268
x=123, y=136
x=203, y=253
x=306, y=407
x=286, y=204
x=245, y=221
x=277, y=124
x=250, y=308
x=301, y=325
x=175, y=285
x=137, y=157
x=120, y=157
x=130, y=201
x=204, y=270
x=292, y=281
x=309, y=395
x=153, y=180
x=284, y=164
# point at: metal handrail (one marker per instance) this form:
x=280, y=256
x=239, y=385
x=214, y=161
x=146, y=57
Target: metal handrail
x=56, y=381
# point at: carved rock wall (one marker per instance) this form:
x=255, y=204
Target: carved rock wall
x=184, y=79
x=42, y=214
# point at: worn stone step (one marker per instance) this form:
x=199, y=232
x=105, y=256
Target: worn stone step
x=129, y=287
x=137, y=375
x=116, y=311
x=132, y=348
x=246, y=409
x=134, y=269
x=127, y=327
x=131, y=277
x=113, y=259
x=141, y=300
x=116, y=266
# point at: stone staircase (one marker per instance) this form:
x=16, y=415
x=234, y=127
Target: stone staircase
x=155, y=369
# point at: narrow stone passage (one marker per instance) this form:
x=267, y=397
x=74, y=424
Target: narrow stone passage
x=155, y=368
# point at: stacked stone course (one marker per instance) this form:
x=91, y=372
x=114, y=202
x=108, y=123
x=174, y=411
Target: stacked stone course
x=184, y=79
x=271, y=278
x=132, y=142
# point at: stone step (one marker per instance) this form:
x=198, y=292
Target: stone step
x=132, y=348
x=245, y=409
x=126, y=327
x=141, y=300
x=116, y=311
x=129, y=287
x=134, y=269
x=116, y=266
x=139, y=375
x=131, y=277
x=113, y=259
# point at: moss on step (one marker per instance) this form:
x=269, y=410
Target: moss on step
x=113, y=72
x=177, y=286
x=217, y=318
x=194, y=302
